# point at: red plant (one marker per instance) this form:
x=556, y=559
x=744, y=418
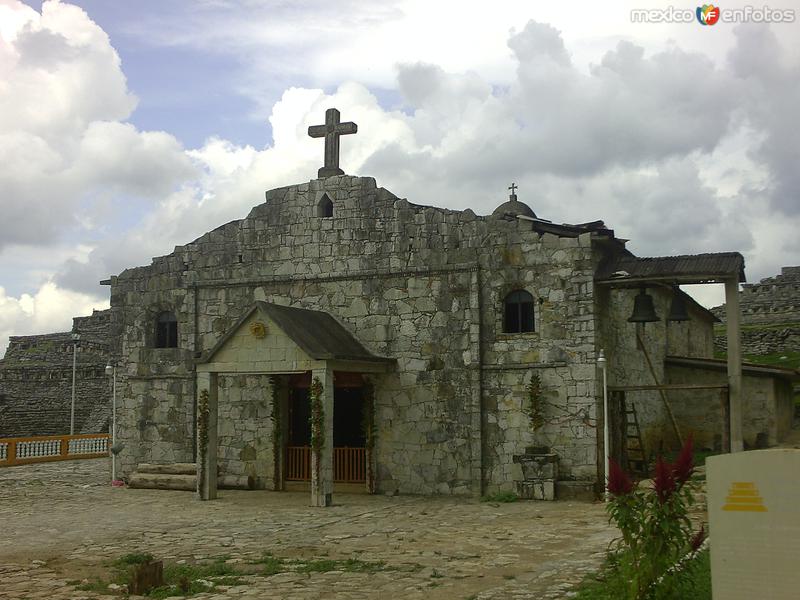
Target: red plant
x=664, y=481
x=619, y=484
x=698, y=539
x=684, y=465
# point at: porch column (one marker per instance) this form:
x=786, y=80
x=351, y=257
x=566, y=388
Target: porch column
x=322, y=458
x=733, y=316
x=207, y=436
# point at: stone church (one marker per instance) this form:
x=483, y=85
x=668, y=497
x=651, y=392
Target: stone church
x=341, y=334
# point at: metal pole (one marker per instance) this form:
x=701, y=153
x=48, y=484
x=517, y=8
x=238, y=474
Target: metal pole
x=606, y=449
x=114, y=426
x=602, y=363
x=72, y=405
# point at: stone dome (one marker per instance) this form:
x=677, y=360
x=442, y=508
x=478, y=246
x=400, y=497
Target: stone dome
x=514, y=207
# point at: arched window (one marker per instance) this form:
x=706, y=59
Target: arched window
x=325, y=206
x=166, y=330
x=518, y=314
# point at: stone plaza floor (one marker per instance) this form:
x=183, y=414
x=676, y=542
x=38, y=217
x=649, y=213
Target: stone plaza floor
x=63, y=522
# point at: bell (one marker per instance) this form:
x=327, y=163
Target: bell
x=677, y=310
x=643, y=309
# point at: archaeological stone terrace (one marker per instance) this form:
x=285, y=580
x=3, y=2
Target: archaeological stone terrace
x=36, y=380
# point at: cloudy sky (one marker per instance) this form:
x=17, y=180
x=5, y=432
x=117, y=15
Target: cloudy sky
x=127, y=128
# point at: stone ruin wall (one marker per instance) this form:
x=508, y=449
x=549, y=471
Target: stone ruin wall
x=404, y=279
x=36, y=381
x=772, y=302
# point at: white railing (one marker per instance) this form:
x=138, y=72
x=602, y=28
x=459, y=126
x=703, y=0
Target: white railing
x=14, y=451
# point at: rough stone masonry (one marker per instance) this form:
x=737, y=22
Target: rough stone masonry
x=422, y=285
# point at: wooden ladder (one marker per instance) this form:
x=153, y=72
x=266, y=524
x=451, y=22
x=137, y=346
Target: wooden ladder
x=634, y=448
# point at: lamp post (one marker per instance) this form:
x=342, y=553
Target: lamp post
x=112, y=371
x=76, y=338
x=603, y=364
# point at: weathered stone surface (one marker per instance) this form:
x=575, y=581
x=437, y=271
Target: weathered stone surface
x=410, y=283
x=433, y=548
x=36, y=381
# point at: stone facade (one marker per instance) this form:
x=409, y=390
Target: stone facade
x=36, y=381
x=422, y=285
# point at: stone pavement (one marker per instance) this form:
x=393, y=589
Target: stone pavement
x=62, y=522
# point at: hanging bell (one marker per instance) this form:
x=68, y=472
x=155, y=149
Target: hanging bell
x=677, y=310
x=643, y=309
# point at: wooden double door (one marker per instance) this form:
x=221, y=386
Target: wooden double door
x=349, y=451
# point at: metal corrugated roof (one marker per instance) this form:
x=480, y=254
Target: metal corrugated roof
x=684, y=268
x=720, y=364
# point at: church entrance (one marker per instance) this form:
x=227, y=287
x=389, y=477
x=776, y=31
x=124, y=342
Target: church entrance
x=349, y=443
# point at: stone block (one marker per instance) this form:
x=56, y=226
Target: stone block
x=536, y=490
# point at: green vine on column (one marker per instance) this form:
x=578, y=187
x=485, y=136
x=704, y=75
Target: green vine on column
x=368, y=427
x=535, y=402
x=317, y=419
x=203, y=420
x=277, y=430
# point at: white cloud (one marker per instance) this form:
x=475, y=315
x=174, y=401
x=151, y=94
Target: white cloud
x=49, y=309
x=63, y=146
x=672, y=148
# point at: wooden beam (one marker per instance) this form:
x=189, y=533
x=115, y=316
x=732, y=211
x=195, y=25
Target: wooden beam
x=660, y=389
x=668, y=386
x=635, y=282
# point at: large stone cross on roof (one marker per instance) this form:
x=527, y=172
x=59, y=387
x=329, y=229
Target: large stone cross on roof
x=331, y=132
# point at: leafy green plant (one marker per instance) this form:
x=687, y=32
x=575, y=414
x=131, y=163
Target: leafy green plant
x=535, y=402
x=505, y=496
x=277, y=431
x=350, y=565
x=203, y=421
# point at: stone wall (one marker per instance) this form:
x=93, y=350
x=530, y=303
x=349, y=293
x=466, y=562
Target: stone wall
x=558, y=272
x=774, y=304
x=765, y=341
x=244, y=427
x=420, y=284
x=766, y=403
x=36, y=381
x=771, y=300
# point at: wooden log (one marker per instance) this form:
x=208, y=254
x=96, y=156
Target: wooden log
x=163, y=481
x=237, y=482
x=168, y=481
x=147, y=576
x=168, y=469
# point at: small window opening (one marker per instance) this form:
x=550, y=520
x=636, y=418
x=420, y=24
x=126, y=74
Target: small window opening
x=518, y=312
x=166, y=330
x=241, y=258
x=325, y=206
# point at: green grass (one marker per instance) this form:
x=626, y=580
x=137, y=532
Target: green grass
x=693, y=582
x=134, y=558
x=189, y=579
x=351, y=565
x=792, y=360
x=179, y=580
x=721, y=328
x=271, y=565
x=700, y=456
x=500, y=497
